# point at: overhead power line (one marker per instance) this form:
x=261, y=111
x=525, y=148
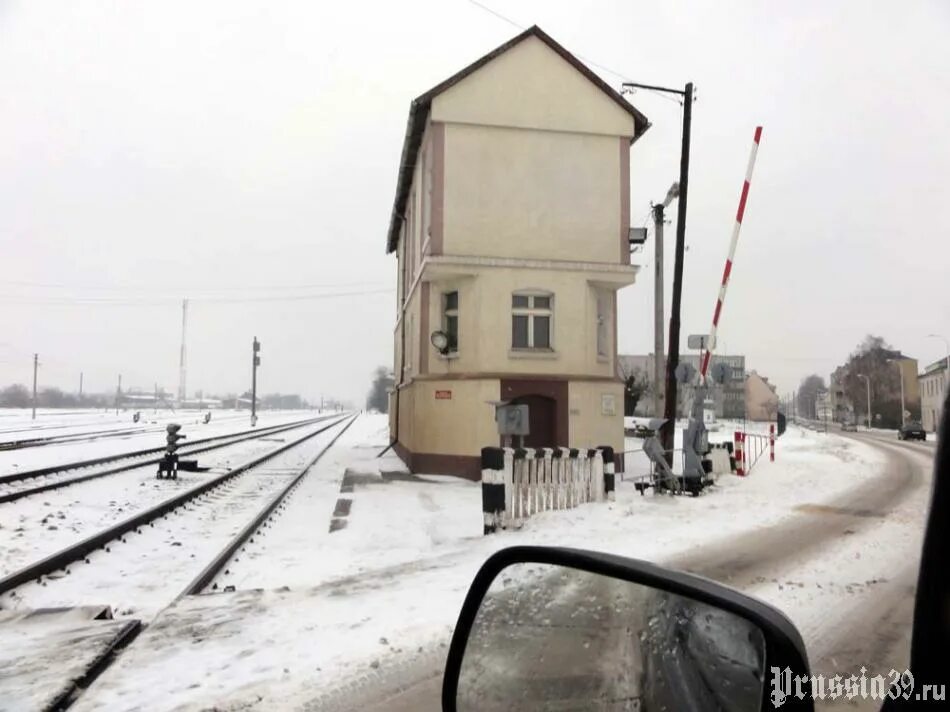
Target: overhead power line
x=164, y=301
x=182, y=288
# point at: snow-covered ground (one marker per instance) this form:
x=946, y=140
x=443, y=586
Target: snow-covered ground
x=39, y=525
x=146, y=569
x=317, y=613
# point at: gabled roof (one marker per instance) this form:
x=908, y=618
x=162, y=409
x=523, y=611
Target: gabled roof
x=419, y=113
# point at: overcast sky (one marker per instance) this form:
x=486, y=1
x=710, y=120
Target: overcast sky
x=228, y=151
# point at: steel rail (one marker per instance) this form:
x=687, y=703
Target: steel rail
x=214, y=568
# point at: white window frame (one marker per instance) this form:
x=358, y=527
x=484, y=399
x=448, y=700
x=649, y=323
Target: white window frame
x=531, y=312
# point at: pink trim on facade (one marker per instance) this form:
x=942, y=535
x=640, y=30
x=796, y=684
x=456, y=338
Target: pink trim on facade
x=624, y=200
x=424, y=328
x=436, y=219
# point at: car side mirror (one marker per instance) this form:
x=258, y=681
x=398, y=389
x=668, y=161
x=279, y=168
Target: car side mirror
x=561, y=629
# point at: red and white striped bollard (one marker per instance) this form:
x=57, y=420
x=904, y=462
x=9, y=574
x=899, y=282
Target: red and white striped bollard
x=740, y=465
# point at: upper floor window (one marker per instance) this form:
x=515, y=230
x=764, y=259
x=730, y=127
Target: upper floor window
x=603, y=311
x=450, y=319
x=531, y=316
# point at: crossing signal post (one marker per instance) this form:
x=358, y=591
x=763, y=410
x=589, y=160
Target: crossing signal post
x=256, y=362
x=168, y=467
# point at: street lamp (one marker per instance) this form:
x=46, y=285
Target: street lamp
x=868, y=382
x=901, y=369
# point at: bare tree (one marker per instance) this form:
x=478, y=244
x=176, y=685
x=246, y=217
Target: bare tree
x=378, y=397
x=636, y=385
x=808, y=393
x=872, y=359
x=15, y=396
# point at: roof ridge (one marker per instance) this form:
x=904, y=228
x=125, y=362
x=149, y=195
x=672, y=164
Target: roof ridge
x=419, y=112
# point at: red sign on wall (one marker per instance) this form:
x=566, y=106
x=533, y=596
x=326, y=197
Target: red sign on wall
x=443, y=395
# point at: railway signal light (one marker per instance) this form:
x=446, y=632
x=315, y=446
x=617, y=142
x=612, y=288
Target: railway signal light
x=173, y=437
x=168, y=466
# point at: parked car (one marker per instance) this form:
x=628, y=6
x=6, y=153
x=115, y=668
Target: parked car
x=911, y=431
x=849, y=427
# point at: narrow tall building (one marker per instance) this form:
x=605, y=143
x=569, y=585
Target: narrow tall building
x=511, y=230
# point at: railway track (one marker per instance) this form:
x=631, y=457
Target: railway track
x=26, y=438
x=117, y=564
x=13, y=487
x=73, y=438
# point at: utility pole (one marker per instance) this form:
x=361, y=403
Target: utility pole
x=156, y=398
x=672, y=361
x=80, y=387
x=118, y=394
x=658, y=363
x=181, y=362
x=36, y=364
x=256, y=361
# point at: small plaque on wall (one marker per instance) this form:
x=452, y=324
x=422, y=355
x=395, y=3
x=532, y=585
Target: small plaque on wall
x=608, y=404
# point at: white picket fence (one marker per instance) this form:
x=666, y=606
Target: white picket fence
x=542, y=480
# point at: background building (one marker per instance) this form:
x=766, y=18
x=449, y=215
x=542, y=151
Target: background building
x=761, y=401
x=908, y=368
x=511, y=229
x=824, y=411
x=842, y=409
x=933, y=390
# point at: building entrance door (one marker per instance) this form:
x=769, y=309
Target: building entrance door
x=542, y=420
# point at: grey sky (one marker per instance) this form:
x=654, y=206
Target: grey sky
x=154, y=151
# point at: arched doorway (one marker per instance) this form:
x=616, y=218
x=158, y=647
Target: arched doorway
x=542, y=420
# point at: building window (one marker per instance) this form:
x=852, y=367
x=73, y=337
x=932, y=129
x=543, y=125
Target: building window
x=450, y=319
x=602, y=323
x=531, y=316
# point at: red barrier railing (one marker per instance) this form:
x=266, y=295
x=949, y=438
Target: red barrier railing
x=749, y=447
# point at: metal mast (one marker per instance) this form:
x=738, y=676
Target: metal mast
x=182, y=373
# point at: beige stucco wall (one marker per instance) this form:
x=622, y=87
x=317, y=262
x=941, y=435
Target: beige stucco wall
x=462, y=425
x=531, y=86
x=908, y=368
x=538, y=194
x=589, y=426
x=485, y=323
x=758, y=396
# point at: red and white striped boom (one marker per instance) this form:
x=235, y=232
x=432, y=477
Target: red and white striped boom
x=711, y=342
